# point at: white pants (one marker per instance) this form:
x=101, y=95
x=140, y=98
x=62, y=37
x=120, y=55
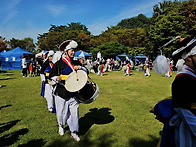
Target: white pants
x=49, y=95
x=99, y=73
x=147, y=73
x=67, y=111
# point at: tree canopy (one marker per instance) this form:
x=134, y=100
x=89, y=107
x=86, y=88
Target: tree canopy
x=140, y=21
x=3, y=45
x=171, y=19
x=26, y=43
x=110, y=49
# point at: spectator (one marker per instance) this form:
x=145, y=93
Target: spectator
x=24, y=67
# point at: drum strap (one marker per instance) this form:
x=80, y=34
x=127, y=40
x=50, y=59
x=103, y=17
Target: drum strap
x=68, y=62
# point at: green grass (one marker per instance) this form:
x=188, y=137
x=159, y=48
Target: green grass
x=118, y=117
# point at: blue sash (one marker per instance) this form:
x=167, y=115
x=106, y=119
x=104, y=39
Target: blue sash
x=43, y=89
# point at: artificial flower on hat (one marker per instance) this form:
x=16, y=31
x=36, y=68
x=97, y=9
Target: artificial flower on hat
x=68, y=44
x=48, y=54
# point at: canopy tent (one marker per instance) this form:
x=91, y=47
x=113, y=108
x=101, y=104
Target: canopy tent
x=3, y=51
x=11, y=60
x=117, y=58
x=40, y=54
x=82, y=54
x=123, y=56
x=141, y=57
x=136, y=60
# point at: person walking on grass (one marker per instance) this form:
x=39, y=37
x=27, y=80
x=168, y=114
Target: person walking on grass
x=47, y=89
x=65, y=101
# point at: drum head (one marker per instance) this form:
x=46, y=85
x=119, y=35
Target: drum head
x=76, y=81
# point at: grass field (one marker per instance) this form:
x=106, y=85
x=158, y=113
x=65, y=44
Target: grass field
x=118, y=117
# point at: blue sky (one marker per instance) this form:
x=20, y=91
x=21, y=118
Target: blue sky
x=28, y=18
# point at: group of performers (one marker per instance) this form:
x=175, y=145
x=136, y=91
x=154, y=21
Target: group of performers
x=178, y=113
x=53, y=76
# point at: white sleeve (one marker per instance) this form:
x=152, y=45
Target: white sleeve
x=42, y=77
x=54, y=79
x=83, y=68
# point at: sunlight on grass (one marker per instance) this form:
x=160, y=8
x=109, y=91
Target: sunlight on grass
x=118, y=117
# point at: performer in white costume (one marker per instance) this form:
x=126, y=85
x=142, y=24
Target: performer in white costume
x=65, y=101
x=47, y=89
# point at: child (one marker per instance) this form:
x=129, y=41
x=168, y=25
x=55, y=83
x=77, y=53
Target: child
x=30, y=69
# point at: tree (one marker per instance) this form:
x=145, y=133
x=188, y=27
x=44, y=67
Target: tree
x=170, y=19
x=78, y=26
x=188, y=10
x=110, y=49
x=3, y=45
x=140, y=21
x=137, y=50
x=57, y=34
x=128, y=37
x=26, y=43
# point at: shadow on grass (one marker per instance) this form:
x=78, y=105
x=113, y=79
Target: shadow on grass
x=4, y=106
x=95, y=116
x=6, y=126
x=104, y=140
x=138, y=142
x=34, y=143
x=11, y=138
x=6, y=79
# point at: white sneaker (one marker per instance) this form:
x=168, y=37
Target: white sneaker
x=61, y=131
x=50, y=109
x=75, y=137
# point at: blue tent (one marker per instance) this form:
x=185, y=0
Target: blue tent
x=82, y=54
x=123, y=56
x=11, y=60
x=141, y=58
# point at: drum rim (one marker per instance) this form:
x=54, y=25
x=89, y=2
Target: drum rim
x=93, y=97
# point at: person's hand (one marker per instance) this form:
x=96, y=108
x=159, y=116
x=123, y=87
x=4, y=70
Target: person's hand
x=77, y=67
x=59, y=78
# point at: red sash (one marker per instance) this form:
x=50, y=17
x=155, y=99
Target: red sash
x=68, y=62
x=51, y=64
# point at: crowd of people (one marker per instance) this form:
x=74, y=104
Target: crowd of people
x=30, y=68
x=126, y=65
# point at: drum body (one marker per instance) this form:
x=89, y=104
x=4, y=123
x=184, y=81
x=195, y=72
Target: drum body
x=87, y=90
x=88, y=93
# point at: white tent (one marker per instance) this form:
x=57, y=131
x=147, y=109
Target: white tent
x=40, y=54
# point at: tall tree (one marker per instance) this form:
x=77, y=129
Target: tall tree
x=128, y=37
x=26, y=43
x=110, y=49
x=57, y=34
x=168, y=21
x=140, y=21
x=3, y=45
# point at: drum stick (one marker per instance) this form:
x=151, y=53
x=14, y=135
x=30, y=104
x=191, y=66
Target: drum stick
x=77, y=76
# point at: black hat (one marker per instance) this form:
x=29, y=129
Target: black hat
x=185, y=48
